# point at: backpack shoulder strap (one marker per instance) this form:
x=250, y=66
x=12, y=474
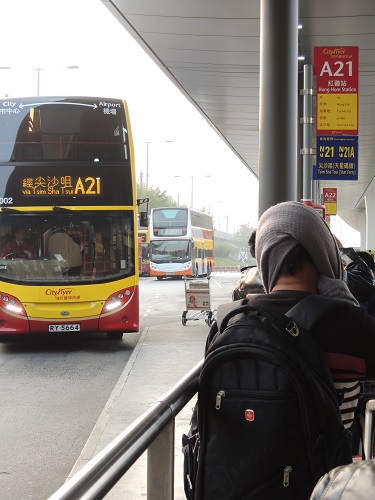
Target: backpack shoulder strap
x=228, y=310
x=233, y=311
x=306, y=314
x=313, y=308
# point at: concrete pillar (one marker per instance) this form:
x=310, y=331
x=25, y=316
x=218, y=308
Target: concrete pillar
x=362, y=224
x=278, y=115
x=370, y=217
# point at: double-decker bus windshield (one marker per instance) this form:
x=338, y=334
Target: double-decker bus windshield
x=57, y=129
x=170, y=251
x=170, y=222
x=67, y=247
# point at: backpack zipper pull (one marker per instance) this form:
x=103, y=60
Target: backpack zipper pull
x=219, y=395
x=288, y=469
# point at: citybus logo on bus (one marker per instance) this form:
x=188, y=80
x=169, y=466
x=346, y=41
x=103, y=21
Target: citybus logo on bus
x=61, y=292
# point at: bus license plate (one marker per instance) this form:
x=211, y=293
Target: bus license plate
x=64, y=328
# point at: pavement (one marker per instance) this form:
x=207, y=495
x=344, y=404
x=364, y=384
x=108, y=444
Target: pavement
x=163, y=355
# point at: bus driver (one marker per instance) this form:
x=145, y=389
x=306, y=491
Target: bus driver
x=18, y=247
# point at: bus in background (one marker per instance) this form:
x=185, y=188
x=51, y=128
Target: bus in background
x=139, y=255
x=67, y=178
x=144, y=260
x=181, y=242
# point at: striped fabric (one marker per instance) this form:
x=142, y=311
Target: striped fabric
x=347, y=371
x=349, y=394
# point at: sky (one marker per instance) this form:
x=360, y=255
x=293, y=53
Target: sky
x=183, y=149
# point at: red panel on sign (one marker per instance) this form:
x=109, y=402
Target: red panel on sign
x=330, y=195
x=336, y=69
x=330, y=200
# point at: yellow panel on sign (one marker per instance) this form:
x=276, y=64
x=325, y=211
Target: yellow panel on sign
x=331, y=208
x=337, y=111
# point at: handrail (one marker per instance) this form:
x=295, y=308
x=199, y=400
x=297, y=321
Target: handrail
x=104, y=470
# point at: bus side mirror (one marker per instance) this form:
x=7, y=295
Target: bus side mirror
x=143, y=219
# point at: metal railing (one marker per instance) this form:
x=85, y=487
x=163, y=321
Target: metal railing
x=152, y=431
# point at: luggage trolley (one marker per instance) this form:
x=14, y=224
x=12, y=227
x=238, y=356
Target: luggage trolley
x=197, y=295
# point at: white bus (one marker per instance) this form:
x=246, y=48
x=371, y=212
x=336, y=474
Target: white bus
x=181, y=242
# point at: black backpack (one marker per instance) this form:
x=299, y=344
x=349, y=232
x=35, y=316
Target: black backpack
x=267, y=423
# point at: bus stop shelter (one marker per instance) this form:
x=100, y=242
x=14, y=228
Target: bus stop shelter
x=247, y=67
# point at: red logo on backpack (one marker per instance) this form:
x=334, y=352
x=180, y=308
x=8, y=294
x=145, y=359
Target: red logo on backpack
x=249, y=415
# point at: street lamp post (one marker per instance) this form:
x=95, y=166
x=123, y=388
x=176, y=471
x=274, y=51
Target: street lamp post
x=219, y=203
x=147, y=144
x=192, y=177
x=38, y=70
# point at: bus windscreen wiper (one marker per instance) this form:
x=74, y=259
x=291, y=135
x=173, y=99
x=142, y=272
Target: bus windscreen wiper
x=56, y=208
x=10, y=210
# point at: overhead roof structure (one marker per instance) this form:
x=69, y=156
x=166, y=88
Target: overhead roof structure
x=211, y=50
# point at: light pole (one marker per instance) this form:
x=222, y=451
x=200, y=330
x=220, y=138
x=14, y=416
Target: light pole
x=38, y=70
x=192, y=177
x=219, y=203
x=147, y=144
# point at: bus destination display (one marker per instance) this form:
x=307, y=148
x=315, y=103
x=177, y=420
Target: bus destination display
x=66, y=185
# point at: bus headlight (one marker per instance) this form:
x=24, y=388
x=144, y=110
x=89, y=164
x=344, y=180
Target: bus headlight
x=118, y=300
x=11, y=304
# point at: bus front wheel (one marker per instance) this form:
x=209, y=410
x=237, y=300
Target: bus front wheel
x=114, y=335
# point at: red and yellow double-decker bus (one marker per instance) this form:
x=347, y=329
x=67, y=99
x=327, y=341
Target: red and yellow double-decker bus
x=144, y=250
x=67, y=179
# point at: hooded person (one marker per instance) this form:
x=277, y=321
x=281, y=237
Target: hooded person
x=285, y=226
x=297, y=255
